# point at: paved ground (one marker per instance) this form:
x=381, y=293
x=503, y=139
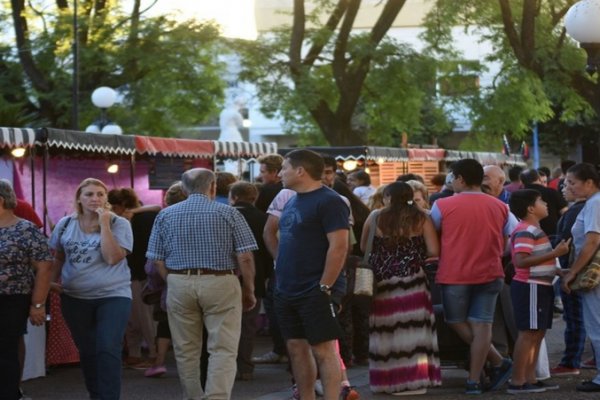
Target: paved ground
x=272, y=382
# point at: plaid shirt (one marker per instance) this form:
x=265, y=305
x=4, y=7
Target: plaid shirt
x=200, y=233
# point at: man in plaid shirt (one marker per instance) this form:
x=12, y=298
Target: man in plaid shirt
x=198, y=245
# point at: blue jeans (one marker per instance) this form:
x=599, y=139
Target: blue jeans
x=98, y=327
x=14, y=310
x=574, y=329
x=591, y=319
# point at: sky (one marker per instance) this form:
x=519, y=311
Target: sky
x=236, y=17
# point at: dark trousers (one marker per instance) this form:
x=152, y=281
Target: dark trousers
x=244, y=358
x=574, y=329
x=354, y=319
x=14, y=310
x=279, y=346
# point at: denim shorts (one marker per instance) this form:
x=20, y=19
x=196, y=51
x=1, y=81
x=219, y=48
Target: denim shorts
x=474, y=303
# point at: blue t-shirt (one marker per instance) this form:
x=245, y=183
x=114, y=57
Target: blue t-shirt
x=303, y=227
x=85, y=274
x=587, y=221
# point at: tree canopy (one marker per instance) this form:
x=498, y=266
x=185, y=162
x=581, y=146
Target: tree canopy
x=541, y=74
x=339, y=85
x=166, y=72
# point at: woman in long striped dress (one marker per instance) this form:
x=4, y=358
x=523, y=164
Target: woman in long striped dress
x=403, y=348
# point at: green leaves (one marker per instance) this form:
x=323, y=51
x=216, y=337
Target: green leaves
x=329, y=101
x=541, y=74
x=167, y=72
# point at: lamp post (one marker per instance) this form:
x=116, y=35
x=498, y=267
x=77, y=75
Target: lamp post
x=75, y=88
x=104, y=98
x=581, y=23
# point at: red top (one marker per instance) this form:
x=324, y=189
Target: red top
x=472, y=229
x=25, y=211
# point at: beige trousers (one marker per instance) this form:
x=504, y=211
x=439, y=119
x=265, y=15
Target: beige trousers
x=214, y=302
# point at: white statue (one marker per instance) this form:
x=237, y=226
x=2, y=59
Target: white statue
x=230, y=122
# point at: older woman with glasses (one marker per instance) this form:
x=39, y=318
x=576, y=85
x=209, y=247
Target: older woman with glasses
x=25, y=265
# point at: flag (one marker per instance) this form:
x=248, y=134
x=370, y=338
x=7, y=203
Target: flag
x=524, y=150
x=505, y=146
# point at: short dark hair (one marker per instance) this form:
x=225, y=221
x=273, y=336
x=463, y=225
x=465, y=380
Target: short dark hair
x=585, y=171
x=521, y=200
x=544, y=171
x=438, y=179
x=224, y=181
x=514, y=172
x=362, y=177
x=125, y=197
x=529, y=176
x=329, y=161
x=312, y=162
x=243, y=191
x=565, y=165
x=470, y=170
x=410, y=177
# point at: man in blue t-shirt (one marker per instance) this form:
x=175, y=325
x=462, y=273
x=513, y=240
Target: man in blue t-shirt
x=313, y=245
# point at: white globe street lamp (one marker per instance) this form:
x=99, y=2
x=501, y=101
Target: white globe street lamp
x=582, y=24
x=104, y=98
x=112, y=129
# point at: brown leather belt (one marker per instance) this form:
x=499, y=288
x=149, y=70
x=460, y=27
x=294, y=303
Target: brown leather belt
x=201, y=271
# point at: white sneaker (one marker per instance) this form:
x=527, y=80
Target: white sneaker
x=270, y=358
x=318, y=387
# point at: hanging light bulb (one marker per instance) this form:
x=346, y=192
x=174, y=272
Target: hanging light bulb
x=18, y=152
x=350, y=165
x=113, y=168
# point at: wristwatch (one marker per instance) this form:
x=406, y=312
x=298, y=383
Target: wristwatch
x=37, y=306
x=325, y=288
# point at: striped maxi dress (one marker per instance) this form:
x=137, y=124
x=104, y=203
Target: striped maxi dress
x=403, y=347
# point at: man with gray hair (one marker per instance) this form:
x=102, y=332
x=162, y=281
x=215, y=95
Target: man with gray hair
x=197, y=245
x=493, y=183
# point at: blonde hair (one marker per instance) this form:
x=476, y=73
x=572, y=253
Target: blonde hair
x=420, y=187
x=85, y=183
x=175, y=194
x=376, y=199
x=272, y=162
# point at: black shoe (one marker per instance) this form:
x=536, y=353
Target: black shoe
x=588, y=386
x=500, y=375
x=546, y=385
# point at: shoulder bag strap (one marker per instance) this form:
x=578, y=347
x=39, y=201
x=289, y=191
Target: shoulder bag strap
x=63, y=228
x=372, y=228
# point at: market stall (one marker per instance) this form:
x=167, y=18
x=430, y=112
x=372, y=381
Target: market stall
x=239, y=157
x=385, y=164
x=58, y=160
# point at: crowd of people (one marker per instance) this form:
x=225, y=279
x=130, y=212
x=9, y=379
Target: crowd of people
x=196, y=274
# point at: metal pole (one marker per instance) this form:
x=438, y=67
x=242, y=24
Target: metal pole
x=32, y=166
x=536, y=147
x=132, y=170
x=44, y=184
x=75, y=100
